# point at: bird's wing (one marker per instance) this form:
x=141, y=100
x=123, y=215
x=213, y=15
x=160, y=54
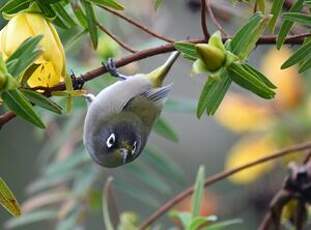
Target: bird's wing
x=158, y=95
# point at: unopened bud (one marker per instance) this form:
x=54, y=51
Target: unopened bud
x=212, y=56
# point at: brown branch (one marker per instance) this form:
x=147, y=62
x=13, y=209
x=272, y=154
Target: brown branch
x=295, y=39
x=265, y=222
x=203, y=20
x=138, y=25
x=218, y=177
x=214, y=20
x=117, y=40
x=6, y=117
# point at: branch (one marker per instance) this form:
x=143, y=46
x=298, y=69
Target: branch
x=138, y=25
x=203, y=20
x=5, y=118
x=220, y=176
x=295, y=39
x=117, y=40
x=214, y=20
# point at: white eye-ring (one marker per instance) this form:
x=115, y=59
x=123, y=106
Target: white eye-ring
x=111, y=140
x=134, y=147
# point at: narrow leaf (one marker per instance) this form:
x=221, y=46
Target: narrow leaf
x=31, y=218
x=91, y=22
x=187, y=49
x=14, y=6
x=298, y=56
x=164, y=129
x=224, y=224
x=8, y=200
x=198, y=222
x=106, y=215
x=212, y=94
x=275, y=11
x=198, y=192
x=79, y=14
x=109, y=3
x=249, y=81
x=42, y=101
x=17, y=103
x=62, y=13
x=46, y=9
x=305, y=65
x=287, y=25
x=298, y=17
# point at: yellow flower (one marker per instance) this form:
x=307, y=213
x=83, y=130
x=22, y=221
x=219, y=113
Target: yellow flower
x=51, y=63
x=241, y=114
x=288, y=81
x=248, y=150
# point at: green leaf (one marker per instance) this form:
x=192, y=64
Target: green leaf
x=109, y=3
x=79, y=14
x=259, y=75
x=212, y=94
x=287, y=25
x=224, y=224
x=91, y=22
x=24, y=56
x=17, y=103
x=275, y=11
x=14, y=6
x=244, y=41
x=250, y=81
x=62, y=13
x=106, y=215
x=46, y=9
x=184, y=217
x=298, y=56
x=32, y=217
x=8, y=200
x=198, y=192
x=164, y=129
x=298, y=17
x=157, y=4
x=305, y=65
x=187, y=49
x=199, y=221
x=42, y=101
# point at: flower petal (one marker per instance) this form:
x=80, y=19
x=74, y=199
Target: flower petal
x=248, y=150
x=241, y=114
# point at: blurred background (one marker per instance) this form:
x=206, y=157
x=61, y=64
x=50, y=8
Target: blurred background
x=43, y=167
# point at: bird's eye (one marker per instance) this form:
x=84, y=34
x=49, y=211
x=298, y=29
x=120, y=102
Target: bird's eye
x=134, y=147
x=111, y=140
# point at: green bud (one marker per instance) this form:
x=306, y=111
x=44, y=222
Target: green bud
x=212, y=56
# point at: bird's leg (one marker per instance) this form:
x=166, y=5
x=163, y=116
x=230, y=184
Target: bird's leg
x=77, y=82
x=112, y=69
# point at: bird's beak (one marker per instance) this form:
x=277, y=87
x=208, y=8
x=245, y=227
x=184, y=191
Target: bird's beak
x=124, y=153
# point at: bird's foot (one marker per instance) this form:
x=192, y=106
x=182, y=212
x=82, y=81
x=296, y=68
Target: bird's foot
x=112, y=69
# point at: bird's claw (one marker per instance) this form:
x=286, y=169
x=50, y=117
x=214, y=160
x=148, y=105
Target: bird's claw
x=77, y=82
x=112, y=69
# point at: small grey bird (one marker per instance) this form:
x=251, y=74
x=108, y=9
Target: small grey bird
x=119, y=119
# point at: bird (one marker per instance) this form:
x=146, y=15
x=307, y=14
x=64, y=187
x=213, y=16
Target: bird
x=120, y=117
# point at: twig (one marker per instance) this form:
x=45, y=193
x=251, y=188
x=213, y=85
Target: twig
x=6, y=117
x=203, y=20
x=218, y=177
x=138, y=25
x=295, y=39
x=265, y=222
x=117, y=40
x=214, y=20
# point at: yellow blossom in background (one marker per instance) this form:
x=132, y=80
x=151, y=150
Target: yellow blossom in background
x=51, y=63
x=241, y=114
x=248, y=150
x=289, y=83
